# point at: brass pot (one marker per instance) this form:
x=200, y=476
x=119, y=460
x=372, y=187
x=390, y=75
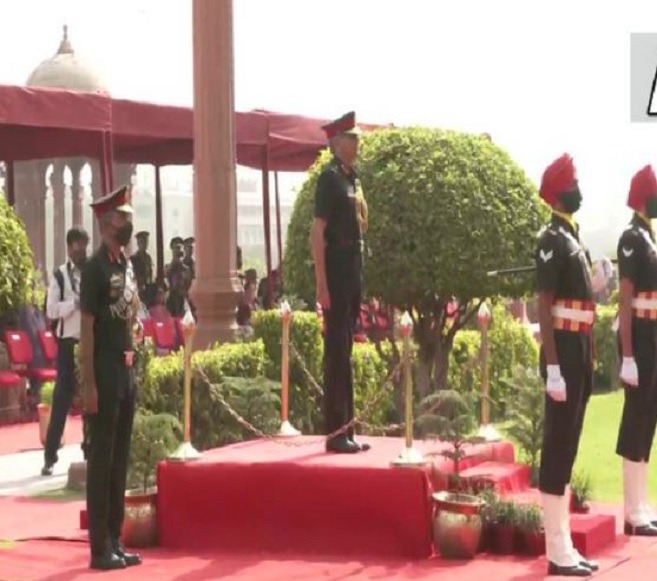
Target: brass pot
x=457, y=525
x=140, y=522
x=44, y=420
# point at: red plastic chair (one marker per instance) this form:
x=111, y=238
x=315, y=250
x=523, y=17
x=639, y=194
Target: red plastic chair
x=180, y=329
x=21, y=355
x=164, y=335
x=49, y=346
x=148, y=327
x=11, y=382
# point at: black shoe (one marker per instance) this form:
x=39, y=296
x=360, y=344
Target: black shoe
x=47, y=469
x=130, y=559
x=107, y=562
x=647, y=530
x=363, y=447
x=593, y=565
x=574, y=571
x=342, y=445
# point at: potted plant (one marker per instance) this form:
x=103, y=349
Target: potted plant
x=580, y=493
x=525, y=412
x=490, y=500
x=154, y=437
x=449, y=416
x=530, y=533
x=503, y=529
x=44, y=407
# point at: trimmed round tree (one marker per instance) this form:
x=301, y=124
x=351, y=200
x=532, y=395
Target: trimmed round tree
x=444, y=209
x=16, y=260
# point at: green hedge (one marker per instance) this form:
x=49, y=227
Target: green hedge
x=606, y=349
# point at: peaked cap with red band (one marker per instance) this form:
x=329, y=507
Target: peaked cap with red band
x=118, y=200
x=643, y=187
x=559, y=177
x=346, y=125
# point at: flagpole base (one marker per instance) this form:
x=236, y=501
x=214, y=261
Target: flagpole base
x=489, y=434
x=409, y=457
x=185, y=453
x=287, y=430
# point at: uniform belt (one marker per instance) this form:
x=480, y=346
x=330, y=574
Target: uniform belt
x=573, y=315
x=645, y=305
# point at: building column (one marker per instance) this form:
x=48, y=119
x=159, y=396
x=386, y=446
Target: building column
x=96, y=188
x=59, y=212
x=216, y=289
x=77, y=192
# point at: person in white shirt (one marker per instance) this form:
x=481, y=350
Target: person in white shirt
x=63, y=309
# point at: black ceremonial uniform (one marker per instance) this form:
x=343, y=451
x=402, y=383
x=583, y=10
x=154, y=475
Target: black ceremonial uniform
x=335, y=202
x=563, y=268
x=637, y=261
x=108, y=292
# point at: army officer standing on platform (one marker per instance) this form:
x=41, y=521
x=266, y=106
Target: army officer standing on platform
x=109, y=303
x=340, y=220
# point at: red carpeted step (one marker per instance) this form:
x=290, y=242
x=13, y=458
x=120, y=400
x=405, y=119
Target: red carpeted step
x=505, y=477
x=592, y=533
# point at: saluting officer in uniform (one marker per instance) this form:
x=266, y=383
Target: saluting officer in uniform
x=340, y=221
x=179, y=278
x=566, y=315
x=637, y=266
x=142, y=265
x=109, y=303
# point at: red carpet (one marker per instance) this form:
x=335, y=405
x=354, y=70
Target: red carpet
x=62, y=561
x=267, y=496
x=22, y=517
x=17, y=438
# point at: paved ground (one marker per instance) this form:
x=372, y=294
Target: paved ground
x=20, y=474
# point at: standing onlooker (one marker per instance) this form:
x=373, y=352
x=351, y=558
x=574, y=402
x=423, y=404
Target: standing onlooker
x=63, y=308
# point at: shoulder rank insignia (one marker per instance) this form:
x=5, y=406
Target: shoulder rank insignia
x=627, y=252
x=546, y=256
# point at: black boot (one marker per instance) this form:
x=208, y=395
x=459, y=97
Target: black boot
x=646, y=530
x=593, y=565
x=131, y=559
x=108, y=561
x=578, y=570
x=342, y=445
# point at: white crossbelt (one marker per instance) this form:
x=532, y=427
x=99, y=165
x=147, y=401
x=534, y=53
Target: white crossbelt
x=647, y=304
x=586, y=317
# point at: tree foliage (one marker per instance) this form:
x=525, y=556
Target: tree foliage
x=445, y=207
x=16, y=260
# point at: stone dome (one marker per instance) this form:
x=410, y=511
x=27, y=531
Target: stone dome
x=66, y=71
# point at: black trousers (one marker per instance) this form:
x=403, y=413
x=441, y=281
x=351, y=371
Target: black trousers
x=62, y=398
x=564, y=420
x=107, y=450
x=639, y=420
x=344, y=285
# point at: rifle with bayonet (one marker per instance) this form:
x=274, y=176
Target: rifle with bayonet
x=521, y=270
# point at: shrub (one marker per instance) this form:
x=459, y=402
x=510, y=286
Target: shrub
x=373, y=398
x=605, y=375
x=437, y=201
x=16, y=263
x=212, y=424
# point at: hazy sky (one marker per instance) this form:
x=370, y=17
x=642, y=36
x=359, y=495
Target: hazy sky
x=541, y=77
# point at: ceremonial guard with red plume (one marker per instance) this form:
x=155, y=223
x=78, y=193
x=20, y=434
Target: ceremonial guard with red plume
x=637, y=267
x=566, y=316
x=340, y=221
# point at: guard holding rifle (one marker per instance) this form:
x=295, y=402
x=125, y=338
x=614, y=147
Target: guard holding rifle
x=109, y=303
x=637, y=265
x=566, y=315
x=340, y=220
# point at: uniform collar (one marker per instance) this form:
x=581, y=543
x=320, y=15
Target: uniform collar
x=112, y=257
x=342, y=168
x=643, y=222
x=566, y=220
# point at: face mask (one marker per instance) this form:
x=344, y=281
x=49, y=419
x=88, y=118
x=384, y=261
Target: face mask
x=651, y=208
x=123, y=234
x=571, y=201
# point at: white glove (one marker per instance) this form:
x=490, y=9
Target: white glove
x=555, y=385
x=629, y=374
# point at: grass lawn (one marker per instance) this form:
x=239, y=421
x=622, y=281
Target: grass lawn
x=597, y=450
x=62, y=494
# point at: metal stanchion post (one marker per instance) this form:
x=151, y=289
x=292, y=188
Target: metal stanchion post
x=186, y=450
x=287, y=430
x=409, y=456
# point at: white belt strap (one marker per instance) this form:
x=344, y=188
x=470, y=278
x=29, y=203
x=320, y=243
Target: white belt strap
x=646, y=304
x=586, y=317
